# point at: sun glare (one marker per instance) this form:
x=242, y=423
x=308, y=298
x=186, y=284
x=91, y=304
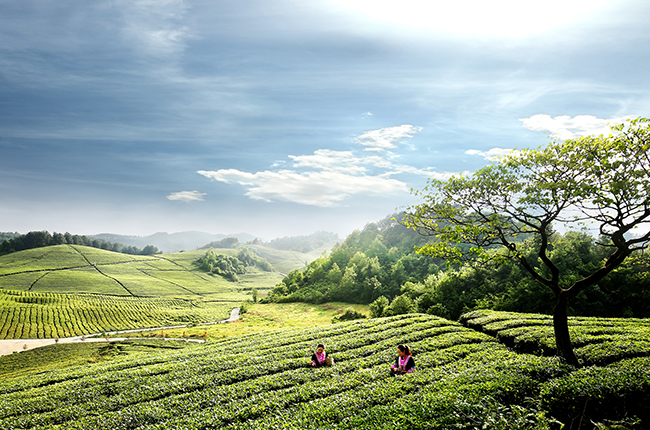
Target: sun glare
x=476, y=18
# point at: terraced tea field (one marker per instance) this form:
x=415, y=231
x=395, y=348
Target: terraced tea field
x=464, y=380
x=68, y=290
x=595, y=340
x=25, y=315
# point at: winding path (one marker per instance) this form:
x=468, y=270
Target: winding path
x=9, y=346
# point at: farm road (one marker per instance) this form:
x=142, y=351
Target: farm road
x=9, y=346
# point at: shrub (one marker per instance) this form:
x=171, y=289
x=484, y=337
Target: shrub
x=349, y=315
x=379, y=307
x=401, y=305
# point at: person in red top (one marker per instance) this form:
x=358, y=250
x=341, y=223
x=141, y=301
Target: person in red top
x=318, y=358
x=404, y=362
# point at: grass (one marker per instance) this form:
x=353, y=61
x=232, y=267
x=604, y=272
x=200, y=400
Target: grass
x=267, y=317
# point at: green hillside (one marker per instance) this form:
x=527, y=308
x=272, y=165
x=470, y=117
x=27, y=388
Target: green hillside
x=80, y=269
x=464, y=380
x=66, y=290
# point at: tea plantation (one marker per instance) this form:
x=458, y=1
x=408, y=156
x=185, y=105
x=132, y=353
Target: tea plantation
x=465, y=379
x=66, y=290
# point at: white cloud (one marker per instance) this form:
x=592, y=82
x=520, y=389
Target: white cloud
x=326, y=159
x=187, y=196
x=327, y=177
x=386, y=138
x=317, y=188
x=491, y=154
x=565, y=127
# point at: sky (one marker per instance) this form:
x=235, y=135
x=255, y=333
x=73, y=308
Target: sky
x=285, y=117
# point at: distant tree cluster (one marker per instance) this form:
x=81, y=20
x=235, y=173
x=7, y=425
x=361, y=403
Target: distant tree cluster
x=370, y=263
x=302, y=244
x=227, y=243
x=39, y=239
x=229, y=266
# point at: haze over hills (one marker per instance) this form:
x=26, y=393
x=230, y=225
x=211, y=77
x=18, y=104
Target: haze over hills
x=190, y=240
x=173, y=242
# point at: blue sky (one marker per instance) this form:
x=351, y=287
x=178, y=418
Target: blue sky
x=284, y=117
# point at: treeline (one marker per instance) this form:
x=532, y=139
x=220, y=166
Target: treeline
x=378, y=266
x=370, y=263
x=229, y=266
x=39, y=239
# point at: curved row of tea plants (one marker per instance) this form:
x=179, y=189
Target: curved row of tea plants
x=464, y=379
x=596, y=340
x=25, y=315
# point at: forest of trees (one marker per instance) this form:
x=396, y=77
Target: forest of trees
x=370, y=263
x=379, y=264
x=39, y=239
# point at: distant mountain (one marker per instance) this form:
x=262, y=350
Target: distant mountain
x=174, y=242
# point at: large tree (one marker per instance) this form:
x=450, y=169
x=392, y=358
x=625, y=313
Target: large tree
x=599, y=182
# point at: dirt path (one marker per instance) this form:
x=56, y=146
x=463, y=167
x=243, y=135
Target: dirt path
x=9, y=346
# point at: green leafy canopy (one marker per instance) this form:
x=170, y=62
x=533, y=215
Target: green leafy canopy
x=603, y=181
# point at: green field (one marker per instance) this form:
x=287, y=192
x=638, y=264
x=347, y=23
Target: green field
x=465, y=379
x=267, y=317
x=67, y=290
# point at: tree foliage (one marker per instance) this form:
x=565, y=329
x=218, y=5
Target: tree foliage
x=603, y=181
x=40, y=239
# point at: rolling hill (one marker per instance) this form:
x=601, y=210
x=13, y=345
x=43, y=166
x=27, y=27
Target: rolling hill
x=65, y=290
x=465, y=379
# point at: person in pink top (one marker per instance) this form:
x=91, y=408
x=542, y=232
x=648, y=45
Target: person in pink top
x=318, y=358
x=404, y=362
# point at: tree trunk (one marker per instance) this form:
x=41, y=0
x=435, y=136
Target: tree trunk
x=561, y=328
